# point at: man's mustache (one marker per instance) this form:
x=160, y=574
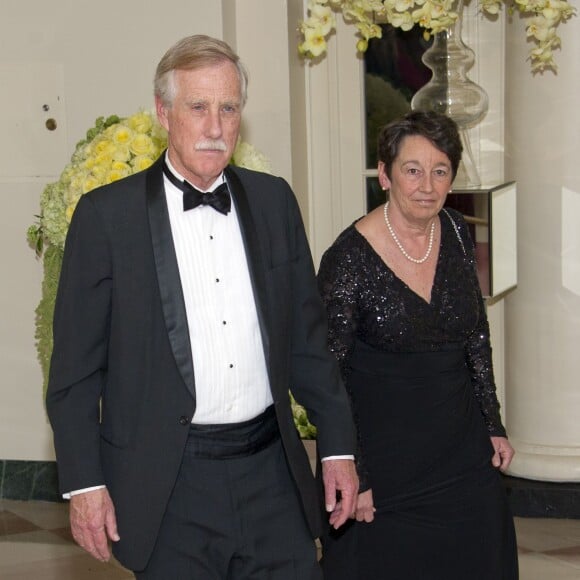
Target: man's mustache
x=211, y=145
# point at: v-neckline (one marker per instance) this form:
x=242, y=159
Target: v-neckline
x=429, y=303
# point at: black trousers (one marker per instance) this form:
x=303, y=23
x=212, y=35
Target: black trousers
x=234, y=519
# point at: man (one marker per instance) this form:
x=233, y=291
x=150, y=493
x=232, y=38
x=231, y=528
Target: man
x=179, y=329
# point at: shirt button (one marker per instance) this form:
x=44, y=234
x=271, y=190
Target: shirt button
x=217, y=279
x=183, y=420
x=231, y=366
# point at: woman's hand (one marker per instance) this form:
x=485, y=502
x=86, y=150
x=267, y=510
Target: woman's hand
x=365, y=509
x=503, y=452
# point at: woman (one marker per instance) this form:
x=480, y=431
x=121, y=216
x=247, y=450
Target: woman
x=408, y=326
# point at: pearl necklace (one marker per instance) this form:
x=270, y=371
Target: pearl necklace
x=400, y=246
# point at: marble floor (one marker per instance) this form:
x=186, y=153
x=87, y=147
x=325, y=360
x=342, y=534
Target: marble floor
x=35, y=544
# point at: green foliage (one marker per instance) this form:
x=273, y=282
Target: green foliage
x=303, y=425
x=52, y=261
x=384, y=104
x=100, y=125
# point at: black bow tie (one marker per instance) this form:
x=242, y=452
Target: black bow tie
x=219, y=199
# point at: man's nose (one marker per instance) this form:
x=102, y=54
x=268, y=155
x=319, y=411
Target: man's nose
x=214, y=125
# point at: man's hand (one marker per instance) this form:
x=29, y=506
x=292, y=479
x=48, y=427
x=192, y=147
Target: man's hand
x=339, y=476
x=93, y=522
x=503, y=452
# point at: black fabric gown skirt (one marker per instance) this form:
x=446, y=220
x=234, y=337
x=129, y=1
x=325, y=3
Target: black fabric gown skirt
x=441, y=509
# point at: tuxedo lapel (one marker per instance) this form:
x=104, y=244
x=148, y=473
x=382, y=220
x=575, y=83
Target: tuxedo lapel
x=254, y=254
x=168, y=278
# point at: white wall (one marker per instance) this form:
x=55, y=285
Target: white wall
x=258, y=32
x=86, y=60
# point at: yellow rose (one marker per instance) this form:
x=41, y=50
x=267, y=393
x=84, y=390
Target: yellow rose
x=121, y=167
x=122, y=153
x=142, y=145
x=141, y=162
x=122, y=135
x=140, y=122
x=104, y=158
x=99, y=171
x=116, y=174
x=103, y=146
x=90, y=183
x=158, y=133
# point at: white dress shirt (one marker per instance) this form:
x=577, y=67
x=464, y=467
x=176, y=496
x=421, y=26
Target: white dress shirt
x=231, y=379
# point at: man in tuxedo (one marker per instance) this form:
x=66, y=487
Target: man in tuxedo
x=183, y=318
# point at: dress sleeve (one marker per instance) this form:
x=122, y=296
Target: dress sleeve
x=337, y=284
x=478, y=351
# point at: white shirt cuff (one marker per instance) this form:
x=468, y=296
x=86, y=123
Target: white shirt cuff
x=79, y=491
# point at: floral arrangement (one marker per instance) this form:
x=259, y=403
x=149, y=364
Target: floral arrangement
x=114, y=148
x=433, y=16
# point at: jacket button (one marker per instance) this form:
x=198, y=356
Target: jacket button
x=184, y=420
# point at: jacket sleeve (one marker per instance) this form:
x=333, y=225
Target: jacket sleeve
x=335, y=283
x=478, y=347
x=79, y=359
x=314, y=373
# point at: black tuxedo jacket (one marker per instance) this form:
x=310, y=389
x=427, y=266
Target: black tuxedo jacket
x=121, y=391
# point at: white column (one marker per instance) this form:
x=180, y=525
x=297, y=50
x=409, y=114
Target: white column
x=543, y=314
x=258, y=32
x=328, y=129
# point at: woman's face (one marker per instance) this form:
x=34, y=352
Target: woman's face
x=420, y=178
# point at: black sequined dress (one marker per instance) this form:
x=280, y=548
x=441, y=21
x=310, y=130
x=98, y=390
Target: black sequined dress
x=421, y=383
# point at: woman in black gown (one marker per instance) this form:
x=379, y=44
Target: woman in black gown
x=408, y=326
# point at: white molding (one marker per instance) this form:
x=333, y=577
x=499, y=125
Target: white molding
x=335, y=149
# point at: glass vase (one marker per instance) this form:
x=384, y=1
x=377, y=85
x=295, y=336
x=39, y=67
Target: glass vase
x=450, y=91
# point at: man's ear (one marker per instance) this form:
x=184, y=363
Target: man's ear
x=161, y=110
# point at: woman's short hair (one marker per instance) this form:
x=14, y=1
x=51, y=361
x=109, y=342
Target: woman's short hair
x=191, y=53
x=439, y=129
